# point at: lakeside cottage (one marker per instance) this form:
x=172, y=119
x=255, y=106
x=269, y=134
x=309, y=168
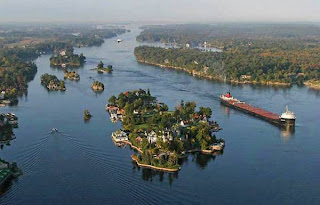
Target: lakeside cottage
x=2, y=94
x=52, y=85
x=9, y=118
x=63, y=52
x=119, y=136
x=217, y=146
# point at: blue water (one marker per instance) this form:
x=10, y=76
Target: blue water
x=261, y=164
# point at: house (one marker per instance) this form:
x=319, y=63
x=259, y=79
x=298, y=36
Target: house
x=120, y=111
x=217, y=146
x=119, y=136
x=135, y=112
x=187, y=45
x=151, y=136
x=166, y=61
x=184, y=123
x=166, y=136
x=2, y=94
x=52, y=86
x=63, y=52
x=246, y=77
x=139, y=139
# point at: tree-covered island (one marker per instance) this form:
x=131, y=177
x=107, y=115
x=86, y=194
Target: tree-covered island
x=161, y=136
x=72, y=75
x=86, y=115
x=97, y=86
x=52, y=83
x=101, y=69
x=66, y=57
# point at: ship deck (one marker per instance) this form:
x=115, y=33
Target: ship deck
x=254, y=110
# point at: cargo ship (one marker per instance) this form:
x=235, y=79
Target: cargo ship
x=287, y=118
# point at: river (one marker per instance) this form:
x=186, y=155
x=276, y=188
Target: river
x=261, y=164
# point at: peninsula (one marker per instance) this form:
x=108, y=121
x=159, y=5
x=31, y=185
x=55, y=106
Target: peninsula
x=160, y=136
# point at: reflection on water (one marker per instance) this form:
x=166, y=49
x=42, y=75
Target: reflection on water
x=201, y=160
x=287, y=132
x=225, y=110
x=150, y=174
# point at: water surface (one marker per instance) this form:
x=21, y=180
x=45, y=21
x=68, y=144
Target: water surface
x=261, y=163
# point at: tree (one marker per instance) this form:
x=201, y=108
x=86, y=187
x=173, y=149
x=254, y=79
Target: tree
x=100, y=65
x=112, y=100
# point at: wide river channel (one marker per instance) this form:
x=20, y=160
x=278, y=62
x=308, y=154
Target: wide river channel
x=261, y=163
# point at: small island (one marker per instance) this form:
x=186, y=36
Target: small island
x=161, y=137
x=8, y=171
x=86, y=115
x=66, y=57
x=72, y=75
x=52, y=83
x=101, y=69
x=97, y=86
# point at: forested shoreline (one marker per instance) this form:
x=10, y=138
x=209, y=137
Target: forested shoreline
x=260, y=54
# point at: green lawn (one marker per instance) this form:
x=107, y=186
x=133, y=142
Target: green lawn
x=141, y=126
x=4, y=173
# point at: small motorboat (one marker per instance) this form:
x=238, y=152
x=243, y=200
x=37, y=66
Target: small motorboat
x=54, y=130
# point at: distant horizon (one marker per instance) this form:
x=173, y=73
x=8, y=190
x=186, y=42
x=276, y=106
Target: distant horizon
x=152, y=22
x=152, y=11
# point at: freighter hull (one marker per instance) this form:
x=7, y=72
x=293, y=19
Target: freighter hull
x=256, y=112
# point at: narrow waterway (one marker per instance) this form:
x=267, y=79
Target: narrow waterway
x=81, y=165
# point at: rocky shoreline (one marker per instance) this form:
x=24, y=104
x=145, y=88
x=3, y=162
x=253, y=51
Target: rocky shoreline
x=313, y=84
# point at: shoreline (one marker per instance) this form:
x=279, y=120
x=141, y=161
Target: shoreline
x=312, y=84
x=204, y=75
x=154, y=167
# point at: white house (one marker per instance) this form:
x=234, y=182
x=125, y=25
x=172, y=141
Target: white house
x=63, y=52
x=2, y=95
x=151, y=137
x=119, y=136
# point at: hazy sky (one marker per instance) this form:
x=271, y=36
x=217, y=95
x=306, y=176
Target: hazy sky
x=158, y=10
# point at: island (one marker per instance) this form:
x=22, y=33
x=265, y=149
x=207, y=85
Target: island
x=161, y=137
x=66, y=58
x=101, y=69
x=97, y=86
x=86, y=115
x=52, y=83
x=72, y=75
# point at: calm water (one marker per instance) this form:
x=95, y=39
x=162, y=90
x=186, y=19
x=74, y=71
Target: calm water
x=260, y=165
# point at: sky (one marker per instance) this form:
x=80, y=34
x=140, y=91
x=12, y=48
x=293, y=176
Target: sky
x=116, y=11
